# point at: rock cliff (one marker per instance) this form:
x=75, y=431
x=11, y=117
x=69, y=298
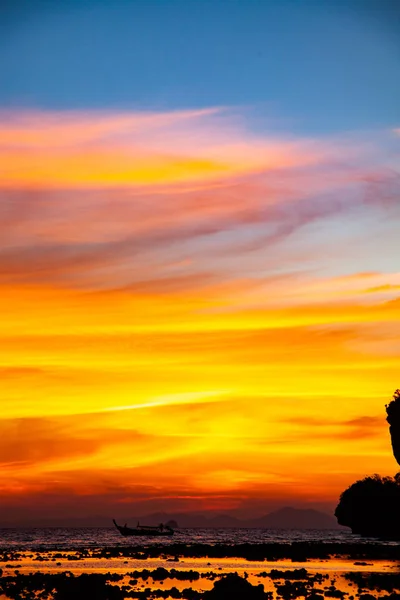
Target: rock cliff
x=371, y=506
x=393, y=418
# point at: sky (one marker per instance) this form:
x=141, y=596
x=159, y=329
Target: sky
x=199, y=253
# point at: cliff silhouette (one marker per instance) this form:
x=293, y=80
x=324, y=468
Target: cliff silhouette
x=371, y=506
x=393, y=418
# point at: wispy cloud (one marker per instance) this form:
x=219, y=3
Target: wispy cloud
x=172, y=400
x=70, y=150
x=99, y=200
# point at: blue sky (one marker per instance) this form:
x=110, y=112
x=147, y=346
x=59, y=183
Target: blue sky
x=309, y=66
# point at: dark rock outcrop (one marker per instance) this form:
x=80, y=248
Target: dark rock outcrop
x=233, y=587
x=393, y=418
x=371, y=506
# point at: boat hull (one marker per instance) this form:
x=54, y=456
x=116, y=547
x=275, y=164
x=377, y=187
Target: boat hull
x=143, y=531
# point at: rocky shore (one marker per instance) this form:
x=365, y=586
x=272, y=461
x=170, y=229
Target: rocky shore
x=285, y=585
x=237, y=572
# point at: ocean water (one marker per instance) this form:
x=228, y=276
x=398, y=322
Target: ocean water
x=95, y=537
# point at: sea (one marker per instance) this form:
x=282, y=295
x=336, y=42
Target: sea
x=72, y=538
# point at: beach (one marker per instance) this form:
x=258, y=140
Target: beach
x=313, y=569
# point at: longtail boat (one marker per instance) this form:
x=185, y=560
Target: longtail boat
x=144, y=530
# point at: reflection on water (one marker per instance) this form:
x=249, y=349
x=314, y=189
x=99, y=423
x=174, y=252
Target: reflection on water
x=102, y=555
x=288, y=582
x=51, y=562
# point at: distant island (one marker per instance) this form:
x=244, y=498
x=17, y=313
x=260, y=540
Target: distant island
x=283, y=518
x=172, y=524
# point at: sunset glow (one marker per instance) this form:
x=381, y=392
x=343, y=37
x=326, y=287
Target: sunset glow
x=194, y=316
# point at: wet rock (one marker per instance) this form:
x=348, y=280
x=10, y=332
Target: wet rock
x=295, y=574
x=389, y=582
x=61, y=586
x=294, y=589
x=265, y=551
x=333, y=592
x=233, y=587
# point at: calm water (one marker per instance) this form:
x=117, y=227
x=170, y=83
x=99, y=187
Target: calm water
x=71, y=538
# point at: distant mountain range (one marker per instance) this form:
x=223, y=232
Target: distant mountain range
x=283, y=518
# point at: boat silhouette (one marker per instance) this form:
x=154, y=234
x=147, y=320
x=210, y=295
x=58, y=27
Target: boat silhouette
x=144, y=530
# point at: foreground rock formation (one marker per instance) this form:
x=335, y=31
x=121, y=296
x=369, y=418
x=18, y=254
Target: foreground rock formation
x=233, y=587
x=393, y=418
x=371, y=506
